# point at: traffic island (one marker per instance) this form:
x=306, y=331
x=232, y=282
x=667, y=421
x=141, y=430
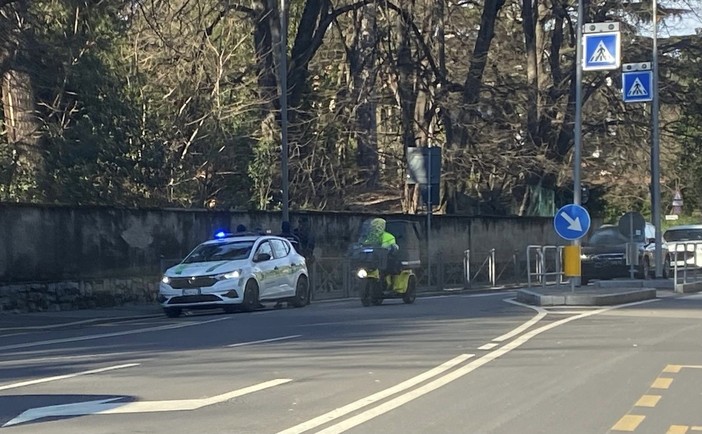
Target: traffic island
x=584, y=296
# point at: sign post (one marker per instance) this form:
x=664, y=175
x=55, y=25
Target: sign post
x=571, y=223
x=598, y=48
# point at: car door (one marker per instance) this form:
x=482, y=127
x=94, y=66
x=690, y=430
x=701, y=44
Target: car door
x=282, y=251
x=266, y=271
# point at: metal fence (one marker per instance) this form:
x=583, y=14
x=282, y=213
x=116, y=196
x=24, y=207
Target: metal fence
x=332, y=277
x=686, y=261
x=545, y=265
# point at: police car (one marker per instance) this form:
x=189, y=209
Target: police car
x=236, y=272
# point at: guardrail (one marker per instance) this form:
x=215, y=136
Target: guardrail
x=548, y=262
x=688, y=264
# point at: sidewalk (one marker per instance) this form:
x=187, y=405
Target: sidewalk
x=49, y=320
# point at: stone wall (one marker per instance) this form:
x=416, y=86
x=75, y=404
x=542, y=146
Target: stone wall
x=58, y=256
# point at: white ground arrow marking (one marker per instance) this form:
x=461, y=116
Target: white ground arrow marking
x=573, y=224
x=108, y=406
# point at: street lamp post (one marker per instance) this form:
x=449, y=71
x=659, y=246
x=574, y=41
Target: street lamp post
x=655, y=149
x=283, y=78
x=578, y=127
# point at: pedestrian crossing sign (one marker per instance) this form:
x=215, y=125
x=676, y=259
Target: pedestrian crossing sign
x=601, y=51
x=637, y=86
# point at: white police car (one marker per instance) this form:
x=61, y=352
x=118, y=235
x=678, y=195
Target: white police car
x=236, y=272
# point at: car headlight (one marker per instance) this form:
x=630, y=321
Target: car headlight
x=584, y=256
x=166, y=280
x=362, y=273
x=231, y=275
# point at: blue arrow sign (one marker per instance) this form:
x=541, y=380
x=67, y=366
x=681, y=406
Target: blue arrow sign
x=571, y=222
x=601, y=51
x=637, y=86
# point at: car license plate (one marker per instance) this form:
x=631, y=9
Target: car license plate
x=191, y=291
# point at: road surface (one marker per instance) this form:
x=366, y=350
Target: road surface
x=477, y=363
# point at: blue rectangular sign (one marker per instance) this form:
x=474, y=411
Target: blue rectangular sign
x=601, y=51
x=637, y=86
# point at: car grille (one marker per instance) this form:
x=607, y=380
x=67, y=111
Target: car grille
x=192, y=282
x=187, y=299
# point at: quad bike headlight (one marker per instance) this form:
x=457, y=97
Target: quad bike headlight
x=362, y=273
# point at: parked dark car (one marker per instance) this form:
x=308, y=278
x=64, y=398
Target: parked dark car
x=603, y=256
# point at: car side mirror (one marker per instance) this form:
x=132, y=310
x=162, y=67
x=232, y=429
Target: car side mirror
x=262, y=257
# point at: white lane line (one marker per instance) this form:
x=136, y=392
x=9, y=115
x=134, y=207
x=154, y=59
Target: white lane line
x=456, y=374
x=342, y=411
x=108, y=406
x=488, y=346
x=540, y=314
x=38, y=360
x=107, y=335
x=263, y=341
x=63, y=377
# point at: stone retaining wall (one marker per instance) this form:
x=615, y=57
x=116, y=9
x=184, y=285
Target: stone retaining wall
x=71, y=295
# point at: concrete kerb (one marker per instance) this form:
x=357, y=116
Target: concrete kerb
x=563, y=298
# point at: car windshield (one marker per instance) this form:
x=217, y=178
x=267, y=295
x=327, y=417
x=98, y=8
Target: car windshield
x=224, y=251
x=683, y=235
x=606, y=236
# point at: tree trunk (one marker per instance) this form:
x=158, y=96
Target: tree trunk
x=20, y=118
x=473, y=83
x=362, y=65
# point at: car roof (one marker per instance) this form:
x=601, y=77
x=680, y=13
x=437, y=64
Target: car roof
x=245, y=237
x=685, y=227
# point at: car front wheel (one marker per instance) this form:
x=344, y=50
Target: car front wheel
x=250, y=302
x=172, y=312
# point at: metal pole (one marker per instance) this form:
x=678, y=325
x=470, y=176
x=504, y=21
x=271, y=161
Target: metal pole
x=655, y=151
x=429, y=210
x=578, y=130
x=283, y=72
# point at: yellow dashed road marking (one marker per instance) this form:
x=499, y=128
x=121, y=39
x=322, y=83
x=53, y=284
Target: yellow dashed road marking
x=648, y=401
x=696, y=428
x=677, y=429
x=661, y=383
x=673, y=369
x=692, y=366
x=628, y=423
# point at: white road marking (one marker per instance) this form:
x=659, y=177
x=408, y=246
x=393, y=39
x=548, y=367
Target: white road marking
x=488, y=346
x=38, y=360
x=107, y=335
x=63, y=377
x=458, y=373
x=75, y=323
x=540, y=314
x=342, y=411
x=108, y=406
x=263, y=341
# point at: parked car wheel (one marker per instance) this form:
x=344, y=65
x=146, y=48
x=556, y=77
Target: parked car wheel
x=645, y=268
x=172, y=312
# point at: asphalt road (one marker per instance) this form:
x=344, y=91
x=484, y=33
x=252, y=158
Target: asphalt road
x=458, y=364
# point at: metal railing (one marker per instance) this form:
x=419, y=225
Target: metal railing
x=488, y=264
x=547, y=262
x=685, y=259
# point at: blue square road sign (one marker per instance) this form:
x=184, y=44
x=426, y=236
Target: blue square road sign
x=601, y=51
x=637, y=86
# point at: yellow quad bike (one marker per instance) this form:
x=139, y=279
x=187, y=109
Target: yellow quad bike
x=383, y=274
